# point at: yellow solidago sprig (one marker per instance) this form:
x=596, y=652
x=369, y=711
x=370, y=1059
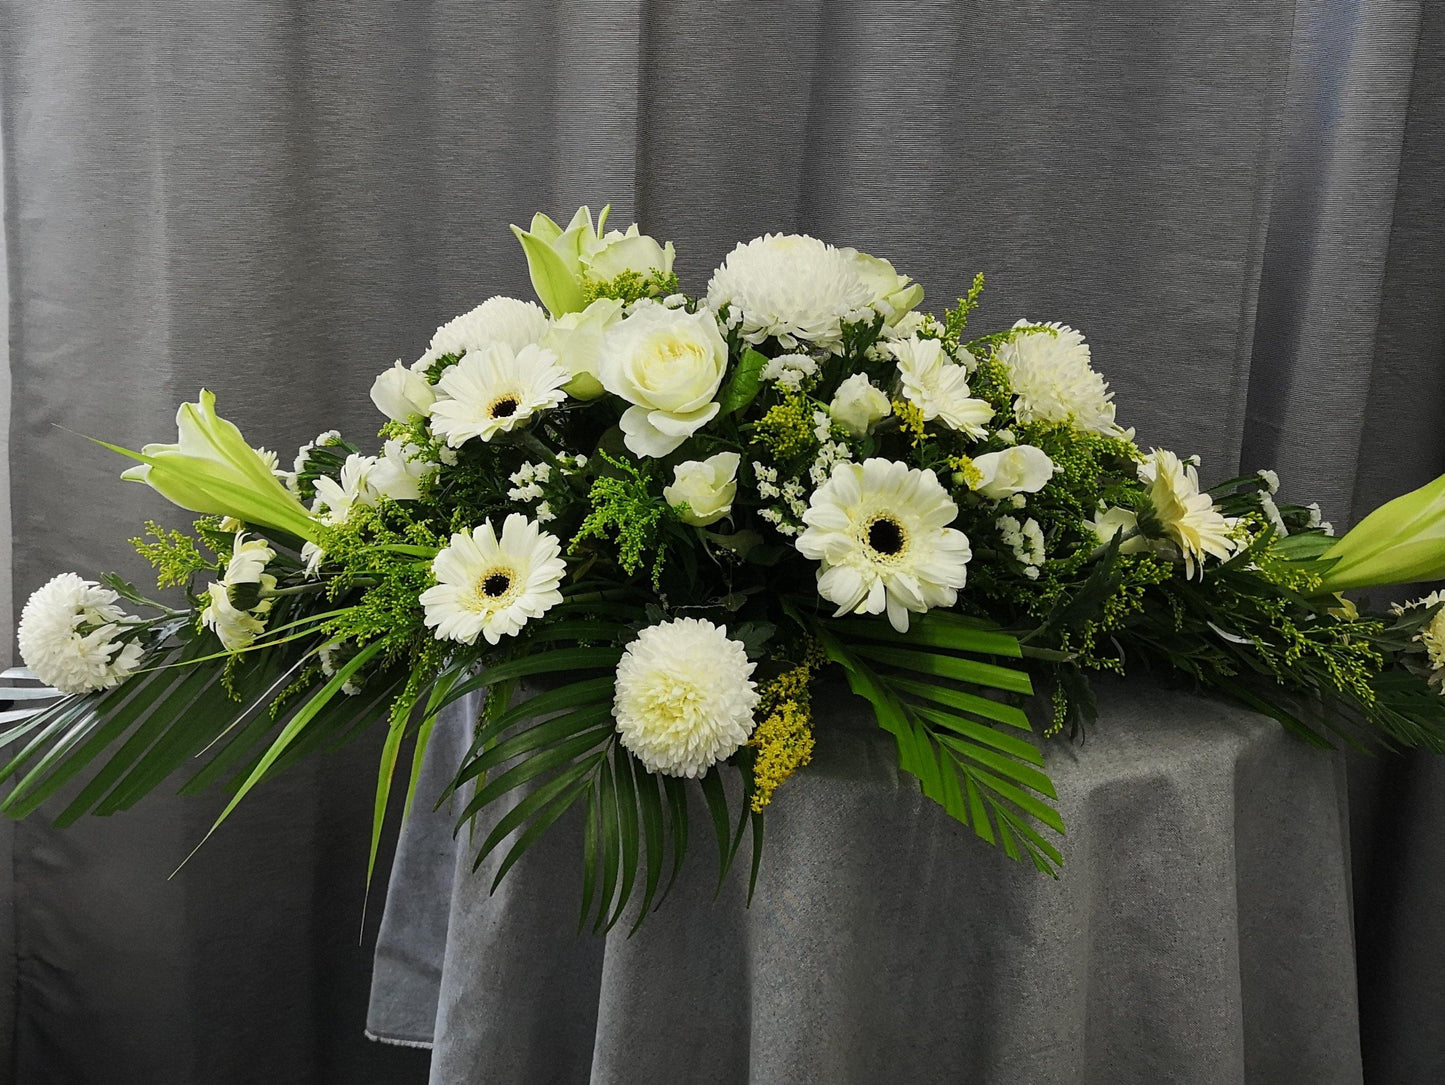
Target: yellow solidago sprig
x=783, y=738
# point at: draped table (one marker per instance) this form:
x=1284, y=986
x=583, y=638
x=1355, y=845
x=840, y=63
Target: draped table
x=1200, y=931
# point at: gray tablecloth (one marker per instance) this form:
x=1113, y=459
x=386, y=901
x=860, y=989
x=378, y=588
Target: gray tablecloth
x=1200, y=932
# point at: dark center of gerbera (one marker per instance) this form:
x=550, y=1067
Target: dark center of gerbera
x=505, y=407
x=496, y=585
x=885, y=537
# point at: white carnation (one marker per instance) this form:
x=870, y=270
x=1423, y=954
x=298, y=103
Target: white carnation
x=1053, y=381
x=684, y=697
x=68, y=636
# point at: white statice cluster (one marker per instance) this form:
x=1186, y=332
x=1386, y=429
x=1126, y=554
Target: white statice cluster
x=327, y=657
x=786, y=516
x=71, y=635
x=1025, y=540
x=329, y=439
x=684, y=697
x=1053, y=379
x=796, y=289
x=790, y=371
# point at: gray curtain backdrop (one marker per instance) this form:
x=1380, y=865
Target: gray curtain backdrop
x=1239, y=201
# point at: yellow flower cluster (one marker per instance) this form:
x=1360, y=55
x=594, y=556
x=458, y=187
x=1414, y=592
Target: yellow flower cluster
x=784, y=735
x=910, y=419
x=965, y=472
x=787, y=429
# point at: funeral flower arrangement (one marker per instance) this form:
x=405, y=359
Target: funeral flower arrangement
x=647, y=523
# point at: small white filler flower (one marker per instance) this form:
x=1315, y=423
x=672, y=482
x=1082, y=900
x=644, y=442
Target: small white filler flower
x=68, y=632
x=880, y=530
x=685, y=697
x=489, y=586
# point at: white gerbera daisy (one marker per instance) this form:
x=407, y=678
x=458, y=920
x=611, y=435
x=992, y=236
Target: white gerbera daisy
x=1053, y=380
x=685, y=697
x=792, y=287
x=495, y=390
x=503, y=320
x=234, y=626
x=939, y=387
x=492, y=587
x=335, y=498
x=68, y=632
x=880, y=530
x=1188, y=517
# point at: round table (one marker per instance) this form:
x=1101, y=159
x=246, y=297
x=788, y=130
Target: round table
x=1200, y=930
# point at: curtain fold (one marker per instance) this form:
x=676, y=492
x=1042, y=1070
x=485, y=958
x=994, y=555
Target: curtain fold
x=1238, y=200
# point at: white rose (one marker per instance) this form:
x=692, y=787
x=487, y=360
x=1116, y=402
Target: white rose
x=576, y=339
x=615, y=252
x=893, y=294
x=858, y=406
x=707, y=487
x=1109, y=522
x=668, y=364
x=402, y=395
x=1022, y=469
x=398, y=471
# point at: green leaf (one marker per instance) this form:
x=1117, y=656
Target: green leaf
x=981, y=732
x=295, y=726
x=544, y=820
x=952, y=667
x=531, y=803
x=607, y=803
x=627, y=828
x=590, y=857
x=649, y=801
x=757, y=820
x=743, y=386
x=952, y=697
x=564, y=659
x=936, y=629
x=715, y=794
x=676, y=793
x=543, y=734
x=537, y=764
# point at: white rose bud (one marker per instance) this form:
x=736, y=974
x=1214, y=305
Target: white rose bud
x=402, y=395
x=576, y=339
x=1022, y=469
x=668, y=364
x=1109, y=522
x=858, y=406
x=707, y=487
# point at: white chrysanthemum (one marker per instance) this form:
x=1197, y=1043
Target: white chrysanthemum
x=495, y=390
x=685, y=697
x=938, y=387
x=792, y=287
x=1053, y=380
x=1188, y=517
x=509, y=321
x=68, y=632
x=880, y=530
x=491, y=587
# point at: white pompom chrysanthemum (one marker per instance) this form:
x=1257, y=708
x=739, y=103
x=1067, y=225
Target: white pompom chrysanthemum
x=491, y=587
x=1053, y=380
x=792, y=287
x=497, y=320
x=494, y=390
x=68, y=632
x=685, y=697
x=880, y=530
x=1188, y=517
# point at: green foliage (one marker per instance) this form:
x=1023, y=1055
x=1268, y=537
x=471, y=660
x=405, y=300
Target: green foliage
x=173, y=555
x=627, y=513
x=956, y=319
x=630, y=286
